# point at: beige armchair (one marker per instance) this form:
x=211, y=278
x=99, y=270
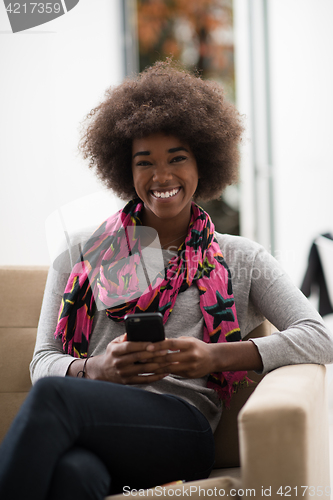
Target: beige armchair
x=277, y=447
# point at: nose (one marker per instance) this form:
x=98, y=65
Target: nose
x=162, y=173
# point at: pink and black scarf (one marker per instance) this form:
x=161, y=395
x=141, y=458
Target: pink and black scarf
x=107, y=270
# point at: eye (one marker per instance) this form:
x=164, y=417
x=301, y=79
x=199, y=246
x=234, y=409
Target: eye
x=143, y=163
x=177, y=159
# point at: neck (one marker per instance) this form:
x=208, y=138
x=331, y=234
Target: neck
x=171, y=232
x=174, y=243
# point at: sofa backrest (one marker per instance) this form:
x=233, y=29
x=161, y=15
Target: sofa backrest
x=21, y=294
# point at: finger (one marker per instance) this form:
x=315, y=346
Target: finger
x=161, y=355
x=171, y=357
x=127, y=347
x=173, y=368
x=141, y=378
x=178, y=369
x=119, y=339
x=143, y=357
x=127, y=369
x=129, y=364
x=151, y=368
x=147, y=379
x=168, y=344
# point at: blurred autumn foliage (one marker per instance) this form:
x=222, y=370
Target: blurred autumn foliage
x=197, y=32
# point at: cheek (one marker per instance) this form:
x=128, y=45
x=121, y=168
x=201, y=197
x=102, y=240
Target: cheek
x=196, y=177
x=134, y=179
x=138, y=182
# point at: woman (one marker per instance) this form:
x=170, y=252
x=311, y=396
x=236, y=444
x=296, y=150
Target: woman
x=106, y=413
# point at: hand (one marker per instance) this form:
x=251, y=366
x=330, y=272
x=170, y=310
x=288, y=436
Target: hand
x=195, y=358
x=126, y=363
x=191, y=357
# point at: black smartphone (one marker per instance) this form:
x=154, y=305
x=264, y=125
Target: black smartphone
x=146, y=327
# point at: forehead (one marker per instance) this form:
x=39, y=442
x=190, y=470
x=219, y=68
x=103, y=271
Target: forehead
x=156, y=142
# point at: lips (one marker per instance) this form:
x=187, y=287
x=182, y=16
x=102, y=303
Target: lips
x=166, y=194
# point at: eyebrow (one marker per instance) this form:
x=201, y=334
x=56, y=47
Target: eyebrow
x=180, y=148
x=172, y=150
x=141, y=153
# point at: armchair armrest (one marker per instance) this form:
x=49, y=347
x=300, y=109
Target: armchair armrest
x=283, y=434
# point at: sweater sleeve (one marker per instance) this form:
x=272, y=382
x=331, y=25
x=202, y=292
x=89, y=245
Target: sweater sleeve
x=49, y=358
x=302, y=336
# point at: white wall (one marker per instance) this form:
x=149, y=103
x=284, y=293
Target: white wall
x=302, y=107
x=51, y=76
x=301, y=100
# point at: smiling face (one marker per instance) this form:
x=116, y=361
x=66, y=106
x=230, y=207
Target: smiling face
x=165, y=176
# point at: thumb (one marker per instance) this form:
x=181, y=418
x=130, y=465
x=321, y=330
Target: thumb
x=121, y=338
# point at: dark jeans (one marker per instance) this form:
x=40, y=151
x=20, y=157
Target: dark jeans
x=83, y=439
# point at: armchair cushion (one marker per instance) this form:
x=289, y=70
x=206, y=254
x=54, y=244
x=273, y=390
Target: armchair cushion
x=283, y=432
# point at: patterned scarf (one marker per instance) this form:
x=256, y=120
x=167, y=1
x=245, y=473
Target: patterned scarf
x=107, y=269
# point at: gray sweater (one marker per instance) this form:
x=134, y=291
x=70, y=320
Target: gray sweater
x=261, y=290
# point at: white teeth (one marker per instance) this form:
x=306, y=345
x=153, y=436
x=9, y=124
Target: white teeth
x=166, y=194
